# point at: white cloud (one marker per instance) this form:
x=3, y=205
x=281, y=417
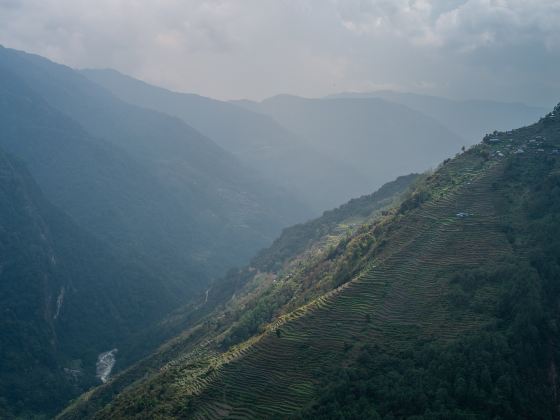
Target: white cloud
x=255, y=48
x=468, y=24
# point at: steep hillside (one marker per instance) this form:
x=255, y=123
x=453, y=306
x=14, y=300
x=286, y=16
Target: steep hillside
x=446, y=307
x=144, y=181
x=380, y=139
x=471, y=119
x=254, y=138
x=303, y=237
x=246, y=300
x=65, y=299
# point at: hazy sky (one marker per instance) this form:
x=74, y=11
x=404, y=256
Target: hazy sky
x=502, y=49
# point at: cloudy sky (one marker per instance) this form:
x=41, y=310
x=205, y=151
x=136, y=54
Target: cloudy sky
x=501, y=49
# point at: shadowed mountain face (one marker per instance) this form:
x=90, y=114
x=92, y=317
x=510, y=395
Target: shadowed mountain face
x=144, y=181
x=145, y=213
x=325, y=150
x=444, y=306
x=65, y=297
x=470, y=119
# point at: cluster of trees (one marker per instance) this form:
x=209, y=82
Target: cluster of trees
x=260, y=313
x=337, y=266
x=296, y=239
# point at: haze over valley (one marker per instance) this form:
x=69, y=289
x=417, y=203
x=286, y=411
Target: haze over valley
x=279, y=210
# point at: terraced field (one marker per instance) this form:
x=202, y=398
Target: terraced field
x=402, y=295
x=405, y=278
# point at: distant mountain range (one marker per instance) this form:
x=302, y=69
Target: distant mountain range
x=381, y=139
x=470, y=119
x=329, y=150
x=276, y=153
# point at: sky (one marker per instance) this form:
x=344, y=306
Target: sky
x=506, y=50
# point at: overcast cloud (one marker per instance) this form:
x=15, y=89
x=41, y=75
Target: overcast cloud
x=501, y=49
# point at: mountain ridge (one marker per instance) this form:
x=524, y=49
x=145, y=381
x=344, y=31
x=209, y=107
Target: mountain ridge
x=143, y=214
x=192, y=181
x=254, y=138
x=470, y=118
x=238, y=292
x=463, y=266
x=387, y=139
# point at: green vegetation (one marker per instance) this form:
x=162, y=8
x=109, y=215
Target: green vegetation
x=134, y=215
x=439, y=303
x=501, y=371
x=505, y=370
x=296, y=239
x=65, y=298
x=245, y=301
x=446, y=307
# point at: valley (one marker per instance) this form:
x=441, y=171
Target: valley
x=397, y=283
x=290, y=210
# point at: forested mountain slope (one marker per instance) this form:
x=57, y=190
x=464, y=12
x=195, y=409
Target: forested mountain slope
x=446, y=307
x=254, y=138
x=144, y=181
x=242, y=303
x=65, y=298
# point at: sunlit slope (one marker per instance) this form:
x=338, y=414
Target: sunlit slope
x=400, y=296
x=279, y=279
x=144, y=181
x=403, y=292
x=407, y=284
